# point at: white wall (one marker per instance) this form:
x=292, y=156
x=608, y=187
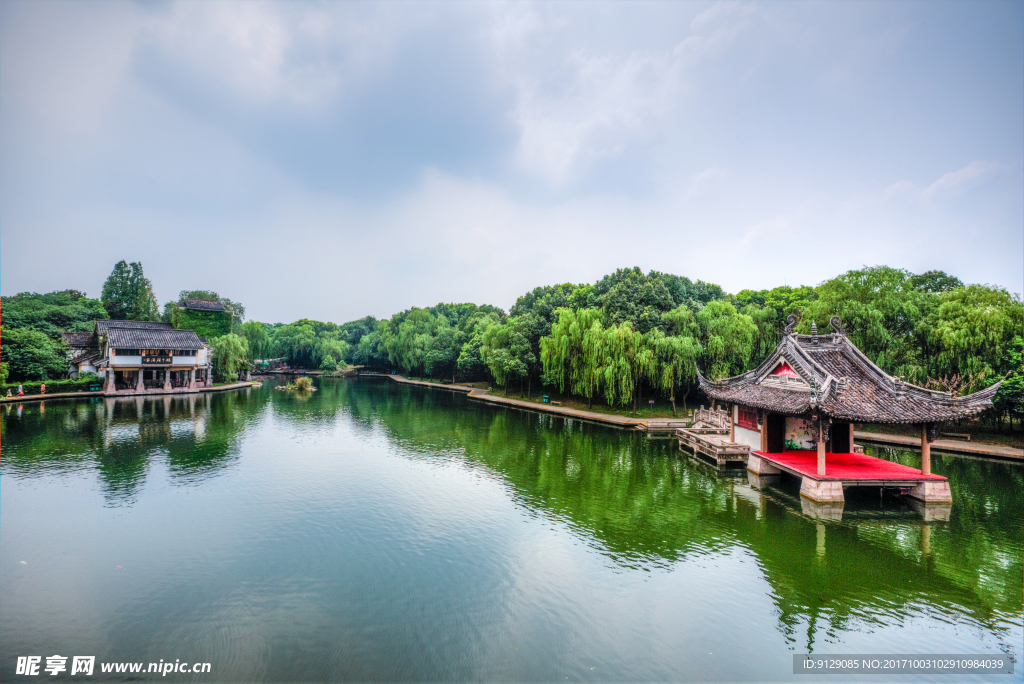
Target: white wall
x=749, y=437
x=801, y=431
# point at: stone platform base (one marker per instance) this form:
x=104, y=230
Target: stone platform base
x=822, y=491
x=932, y=492
x=758, y=466
x=832, y=510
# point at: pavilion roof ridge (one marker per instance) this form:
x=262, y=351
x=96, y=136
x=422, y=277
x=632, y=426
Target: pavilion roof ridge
x=844, y=383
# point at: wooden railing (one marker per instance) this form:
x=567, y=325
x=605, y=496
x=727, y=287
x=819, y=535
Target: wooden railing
x=714, y=418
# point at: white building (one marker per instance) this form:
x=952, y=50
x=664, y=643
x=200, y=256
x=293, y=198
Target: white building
x=141, y=356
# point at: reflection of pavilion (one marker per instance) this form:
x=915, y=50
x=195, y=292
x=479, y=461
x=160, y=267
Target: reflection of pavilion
x=797, y=409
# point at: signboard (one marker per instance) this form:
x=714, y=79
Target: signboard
x=157, y=360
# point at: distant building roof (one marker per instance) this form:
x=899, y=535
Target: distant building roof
x=101, y=326
x=80, y=339
x=135, y=338
x=89, y=356
x=202, y=305
x=832, y=376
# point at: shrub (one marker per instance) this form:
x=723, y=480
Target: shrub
x=52, y=386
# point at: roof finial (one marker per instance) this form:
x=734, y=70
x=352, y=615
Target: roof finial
x=837, y=325
x=791, y=320
x=814, y=329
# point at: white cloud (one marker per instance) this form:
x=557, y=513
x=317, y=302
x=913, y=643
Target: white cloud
x=958, y=181
x=948, y=185
x=589, y=105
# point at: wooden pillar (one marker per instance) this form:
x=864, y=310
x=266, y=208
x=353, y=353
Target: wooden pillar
x=850, y=449
x=821, y=452
x=732, y=423
x=764, y=431
x=926, y=451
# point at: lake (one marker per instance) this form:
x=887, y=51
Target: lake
x=375, y=531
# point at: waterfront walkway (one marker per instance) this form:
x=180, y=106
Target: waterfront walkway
x=948, y=445
x=101, y=393
x=656, y=424
x=483, y=395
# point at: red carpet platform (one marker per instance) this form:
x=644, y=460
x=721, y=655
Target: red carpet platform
x=845, y=467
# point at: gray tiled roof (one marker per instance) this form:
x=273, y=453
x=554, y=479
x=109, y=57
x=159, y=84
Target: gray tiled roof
x=203, y=305
x=847, y=386
x=87, y=356
x=132, y=338
x=79, y=339
x=101, y=326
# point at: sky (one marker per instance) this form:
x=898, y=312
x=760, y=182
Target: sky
x=333, y=160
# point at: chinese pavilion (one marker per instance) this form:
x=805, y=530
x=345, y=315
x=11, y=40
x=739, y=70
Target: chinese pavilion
x=796, y=412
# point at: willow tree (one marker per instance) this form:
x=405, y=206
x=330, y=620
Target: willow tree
x=727, y=339
x=628, y=360
x=571, y=355
x=256, y=335
x=230, y=355
x=675, y=359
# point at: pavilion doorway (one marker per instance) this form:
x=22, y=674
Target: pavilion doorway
x=839, y=439
x=775, y=426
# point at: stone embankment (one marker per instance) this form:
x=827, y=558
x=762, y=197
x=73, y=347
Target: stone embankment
x=655, y=424
x=101, y=393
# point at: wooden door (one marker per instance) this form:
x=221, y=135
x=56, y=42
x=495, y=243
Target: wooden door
x=839, y=439
x=776, y=433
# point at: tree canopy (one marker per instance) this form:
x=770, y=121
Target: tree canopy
x=128, y=294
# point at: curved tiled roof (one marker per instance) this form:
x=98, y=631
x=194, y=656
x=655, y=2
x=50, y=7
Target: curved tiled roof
x=841, y=382
x=135, y=338
x=101, y=326
x=203, y=305
x=79, y=339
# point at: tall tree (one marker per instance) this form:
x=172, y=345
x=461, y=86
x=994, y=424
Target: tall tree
x=128, y=294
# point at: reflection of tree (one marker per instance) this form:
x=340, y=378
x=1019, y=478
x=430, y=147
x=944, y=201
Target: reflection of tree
x=196, y=435
x=631, y=498
x=639, y=503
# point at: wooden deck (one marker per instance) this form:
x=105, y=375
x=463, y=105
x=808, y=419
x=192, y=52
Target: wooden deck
x=663, y=425
x=848, y=470
x=713, y=443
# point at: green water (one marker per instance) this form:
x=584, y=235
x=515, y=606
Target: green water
x=373, y=531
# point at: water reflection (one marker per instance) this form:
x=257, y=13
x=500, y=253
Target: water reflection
x=196, y=436
x=637, y=502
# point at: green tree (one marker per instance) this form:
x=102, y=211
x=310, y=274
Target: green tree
x=627, y=361
x=368, y=351
x=442, y=355
x=128, y=294
x=676, y=354
x=882, y=310
x=470, y=364
x=52, y=313
x=31, y=355
x=507, y=351
x=727, y=339
x=572, y=354
x=230, y=355
x=258, y=339
x=974, y=326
